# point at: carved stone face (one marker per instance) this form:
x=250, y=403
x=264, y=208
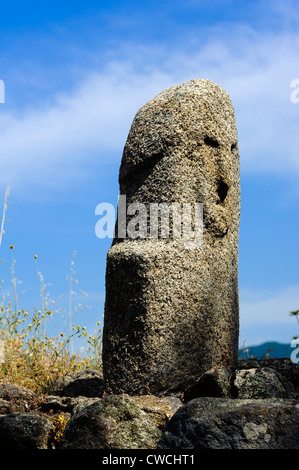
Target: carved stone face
x=183, y=147
x=172, y=313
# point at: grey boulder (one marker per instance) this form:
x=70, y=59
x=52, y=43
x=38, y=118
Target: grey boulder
x=221, y=423
x=114, y=422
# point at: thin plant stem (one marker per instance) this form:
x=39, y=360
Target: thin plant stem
x=71, y=293
x=70, y=312
x=4, y=210
x=42, y=289
x=13, y=280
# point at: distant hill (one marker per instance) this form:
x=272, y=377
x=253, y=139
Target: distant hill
x=272, y=348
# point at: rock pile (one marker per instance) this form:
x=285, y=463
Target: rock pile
x=255, y=406
x=78, y=415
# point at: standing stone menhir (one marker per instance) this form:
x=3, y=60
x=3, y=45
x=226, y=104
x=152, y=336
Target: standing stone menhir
x=172, y=308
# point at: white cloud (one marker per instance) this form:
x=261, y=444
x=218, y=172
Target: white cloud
x=92, y=121
x=256, y=70
x=264, y=316
x=78, y=128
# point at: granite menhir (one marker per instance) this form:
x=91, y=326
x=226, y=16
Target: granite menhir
x=172, y=305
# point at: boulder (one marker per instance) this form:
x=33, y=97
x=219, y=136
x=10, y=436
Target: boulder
x=87, y=383
x=25, y=431
x=261, y=383
x=15, y=398
x=10, y=391
x=113, y=422
x=221, y=423
x=281, y=370
x=55, y=404
x=215, y=382
x=287, y=370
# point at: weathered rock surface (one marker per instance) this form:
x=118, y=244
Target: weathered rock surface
x=260, y=383
x=220, y=423
x=115, y=422
x=160, y=410
x=122, y=421
x=285, y=368
x=5, y=407
x=88, y=383
x=171, y=311
x=269, y=378
x=25, y=431
x=15, y=398
x=55, y=404
x=274, y=378
x=216, y=382
x=14, y=392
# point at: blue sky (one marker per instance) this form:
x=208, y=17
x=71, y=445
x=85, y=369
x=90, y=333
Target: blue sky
x=76, y=73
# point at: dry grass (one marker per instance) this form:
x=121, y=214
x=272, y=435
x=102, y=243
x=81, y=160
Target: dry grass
x=32, y=359
x=28, y=356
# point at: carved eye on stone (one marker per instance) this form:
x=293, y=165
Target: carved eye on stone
x=211, y=142
x=233, y=147
x=222, y=190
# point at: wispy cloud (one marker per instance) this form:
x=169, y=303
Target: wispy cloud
x=92, y=121
x=76, y=129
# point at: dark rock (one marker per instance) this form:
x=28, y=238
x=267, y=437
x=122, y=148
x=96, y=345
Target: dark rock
x=10, y=391
x=87, y=383
x=285, y=368
x=114, y=422
x=55, y=404
x=5, y=407
x=79, y=403
x=15, y=398
x=214, y=383
x=248, y=363
x=219, y=423
x=25, y=431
